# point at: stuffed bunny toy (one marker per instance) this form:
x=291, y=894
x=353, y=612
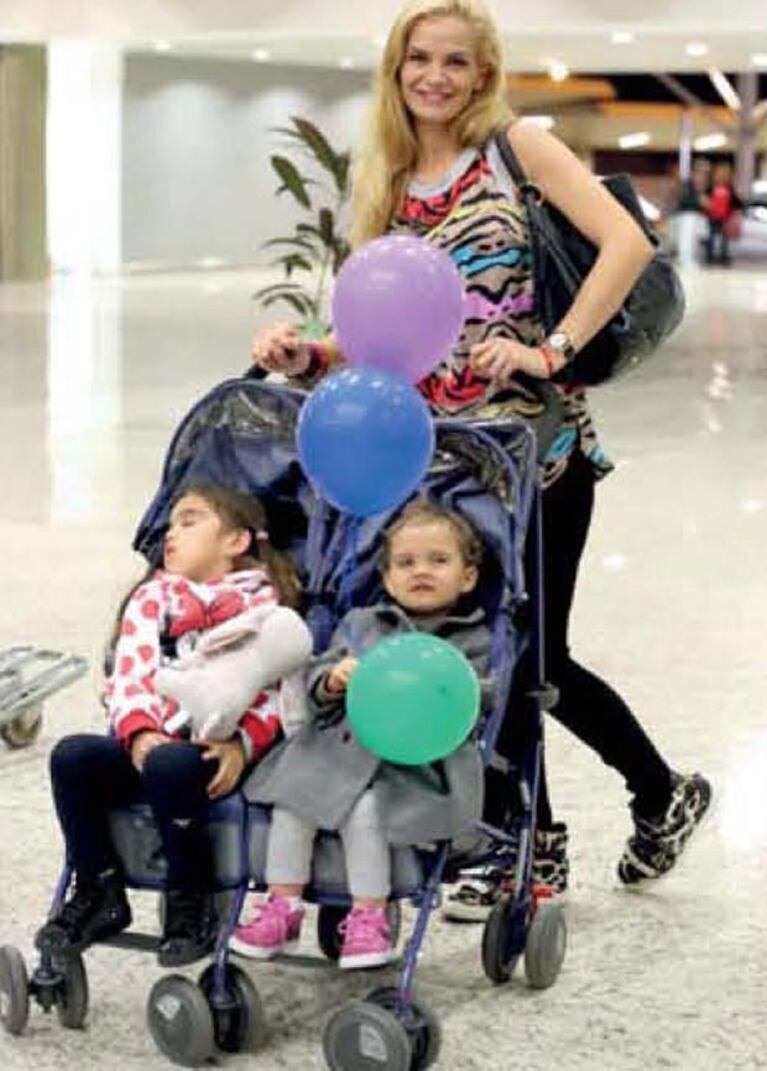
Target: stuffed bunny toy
x=216, y=683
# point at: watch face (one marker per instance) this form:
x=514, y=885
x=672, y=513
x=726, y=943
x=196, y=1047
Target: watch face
x=559, y=340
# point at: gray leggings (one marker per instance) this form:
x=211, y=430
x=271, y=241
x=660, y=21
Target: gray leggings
x=366, y=851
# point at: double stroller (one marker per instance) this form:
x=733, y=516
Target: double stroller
x=242, y=434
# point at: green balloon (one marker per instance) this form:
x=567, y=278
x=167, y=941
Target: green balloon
x=412, y=699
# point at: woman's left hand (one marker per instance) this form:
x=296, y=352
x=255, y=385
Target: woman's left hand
x=499, y=359
x=231, y=764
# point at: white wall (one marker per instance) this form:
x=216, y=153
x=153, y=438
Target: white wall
x=196, y=143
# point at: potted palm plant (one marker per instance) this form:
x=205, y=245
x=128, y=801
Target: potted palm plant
x=311, y=256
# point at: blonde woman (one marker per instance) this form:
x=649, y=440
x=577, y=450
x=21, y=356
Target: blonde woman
x=430, y=167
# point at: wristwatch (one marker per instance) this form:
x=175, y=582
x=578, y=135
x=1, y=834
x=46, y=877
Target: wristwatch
x=561, y=344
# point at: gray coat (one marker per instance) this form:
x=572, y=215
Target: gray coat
x=321, y=772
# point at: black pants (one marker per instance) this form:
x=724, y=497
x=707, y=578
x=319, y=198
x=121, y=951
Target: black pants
x=588, y=706
x=717, y=243
x=91, y=774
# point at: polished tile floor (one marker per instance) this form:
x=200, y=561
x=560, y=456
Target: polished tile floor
x=672, y=608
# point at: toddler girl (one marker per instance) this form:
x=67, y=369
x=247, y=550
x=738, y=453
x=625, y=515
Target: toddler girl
x=322, y=778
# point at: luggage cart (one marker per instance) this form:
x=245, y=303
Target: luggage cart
x=28, y=675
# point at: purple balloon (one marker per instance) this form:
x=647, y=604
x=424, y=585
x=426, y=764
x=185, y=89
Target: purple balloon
x=398, y=305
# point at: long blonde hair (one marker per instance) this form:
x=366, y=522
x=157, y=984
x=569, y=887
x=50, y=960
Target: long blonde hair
x=389, y=150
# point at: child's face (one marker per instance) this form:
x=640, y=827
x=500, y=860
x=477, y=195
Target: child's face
x=427, y=572
x=197, y=545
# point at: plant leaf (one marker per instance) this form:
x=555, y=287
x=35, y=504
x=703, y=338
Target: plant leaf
x=291, y=243
x=285, y=287
x=302, y=305
x=317, y=142
x=327, y=226
x=341, y=251
x=341, y=174
x=294, y=261
x=309, y=228
x=292, y=179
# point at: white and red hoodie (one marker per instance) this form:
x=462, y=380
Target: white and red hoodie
x=169, y=604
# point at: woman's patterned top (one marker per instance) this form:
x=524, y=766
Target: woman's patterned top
x=474, y=214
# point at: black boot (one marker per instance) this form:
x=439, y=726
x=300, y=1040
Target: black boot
x=190, y=928
x=97, y=908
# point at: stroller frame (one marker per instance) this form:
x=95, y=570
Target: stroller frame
x=391, y=1027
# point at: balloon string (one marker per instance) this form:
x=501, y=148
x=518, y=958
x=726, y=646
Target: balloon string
x=351, y=547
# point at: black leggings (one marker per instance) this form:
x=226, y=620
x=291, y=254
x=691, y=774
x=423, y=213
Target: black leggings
x=91, y=774
x=587, y=706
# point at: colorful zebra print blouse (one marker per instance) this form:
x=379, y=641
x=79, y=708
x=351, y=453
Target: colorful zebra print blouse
x=474, y=214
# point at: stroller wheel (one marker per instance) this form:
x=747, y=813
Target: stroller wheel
x=23, y=730
x=14, y=990
x=420, y=1022
x=498, y=961
x=362, y=1036
x=546, y=946
x=72, y=1004
x=239, y=1026
x=180, y=1021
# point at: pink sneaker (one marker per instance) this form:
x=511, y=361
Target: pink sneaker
x=367, y=940
x=274, y=927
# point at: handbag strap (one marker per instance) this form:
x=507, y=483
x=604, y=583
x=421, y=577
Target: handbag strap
x=510, y=159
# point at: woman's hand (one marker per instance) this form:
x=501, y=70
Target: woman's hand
x=337, y=680
x=143, y=743
x=499, y=359
x=231, y=764
x=280, y=348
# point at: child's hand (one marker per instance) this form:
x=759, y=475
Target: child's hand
x=231, y=763
x=337, y=680
x=143, y=743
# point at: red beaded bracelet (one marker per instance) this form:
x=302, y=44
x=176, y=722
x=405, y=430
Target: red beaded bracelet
x=548, y=356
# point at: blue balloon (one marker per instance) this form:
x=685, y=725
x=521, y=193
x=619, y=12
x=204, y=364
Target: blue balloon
x=365, y=439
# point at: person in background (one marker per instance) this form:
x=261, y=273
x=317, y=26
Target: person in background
x=721, y=206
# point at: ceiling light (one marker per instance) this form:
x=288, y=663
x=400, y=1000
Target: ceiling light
x=724, y=89
x=161, y=46
x=696, y=48
x=759, y=59
x=546, y=121
x=707, y=142
x=558, y=71
x=261, y=55
x=634, y=141
x=623, y=37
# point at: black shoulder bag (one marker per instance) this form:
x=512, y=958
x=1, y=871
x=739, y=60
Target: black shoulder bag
x=563, y=257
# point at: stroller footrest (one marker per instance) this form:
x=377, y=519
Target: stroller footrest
x=137, y=942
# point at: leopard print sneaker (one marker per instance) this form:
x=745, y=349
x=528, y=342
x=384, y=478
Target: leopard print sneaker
x=657, y=843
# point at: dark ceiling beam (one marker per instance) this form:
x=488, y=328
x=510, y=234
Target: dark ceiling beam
x=681, y=92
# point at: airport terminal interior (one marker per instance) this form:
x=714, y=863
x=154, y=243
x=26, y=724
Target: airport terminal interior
x=133, y=215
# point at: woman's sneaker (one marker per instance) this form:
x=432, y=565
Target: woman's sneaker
x=273, y=928
x=476, y=894
x=367, y=939
x=657, y=843
x=483, y=887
